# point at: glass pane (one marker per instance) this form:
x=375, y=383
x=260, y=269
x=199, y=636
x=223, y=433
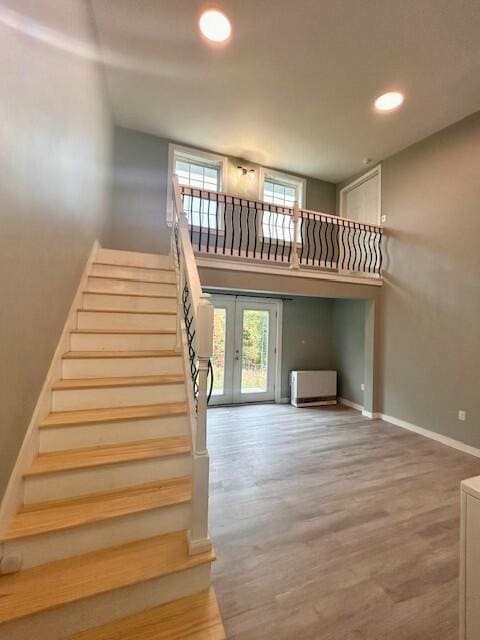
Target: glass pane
x=197, y=175
x=255, y=351
x=218, y=357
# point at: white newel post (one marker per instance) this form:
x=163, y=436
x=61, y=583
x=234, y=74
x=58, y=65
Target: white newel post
x=199, y=540
x=294, y=263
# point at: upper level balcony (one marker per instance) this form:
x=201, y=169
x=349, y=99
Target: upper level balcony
x=231, y=232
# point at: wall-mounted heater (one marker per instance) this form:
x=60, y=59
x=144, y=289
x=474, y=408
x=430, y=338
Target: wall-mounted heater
x=311, y=388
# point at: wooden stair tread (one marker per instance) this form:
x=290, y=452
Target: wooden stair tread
x=131, y=295
x=125, y=279
x=130, y=311
x=132, y=266
x=195, y=617
x=113, y=414
x=68, y=459
x=152, y=353
x=63, y=581
x=160, y=332
x=132, y=381
x=64, y=514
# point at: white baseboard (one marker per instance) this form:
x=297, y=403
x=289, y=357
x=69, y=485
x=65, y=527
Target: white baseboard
x=449, y=442
x=13, y=497
x=352, y=405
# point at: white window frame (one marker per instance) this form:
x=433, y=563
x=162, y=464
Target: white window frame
x=286, y=178
x=194, y=155
x=356, y=183
x=292, y=181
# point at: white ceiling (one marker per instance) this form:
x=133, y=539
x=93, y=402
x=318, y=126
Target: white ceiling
x=294, y=87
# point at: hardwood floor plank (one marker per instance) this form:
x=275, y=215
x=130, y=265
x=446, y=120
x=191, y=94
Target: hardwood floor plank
x=329, y=525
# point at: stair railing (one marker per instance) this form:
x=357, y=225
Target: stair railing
x=235, y=227
x=195, y=334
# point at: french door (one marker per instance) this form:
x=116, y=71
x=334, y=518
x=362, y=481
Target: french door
x=244, y=351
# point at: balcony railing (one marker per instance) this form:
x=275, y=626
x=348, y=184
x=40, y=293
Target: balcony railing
x=235, y=227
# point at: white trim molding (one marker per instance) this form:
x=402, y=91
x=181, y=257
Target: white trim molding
x=13, y=497
x=426, y=433
x=219, y=261
x=421, y=431
x=352, y=405
x=356, y=183
x=193, y=154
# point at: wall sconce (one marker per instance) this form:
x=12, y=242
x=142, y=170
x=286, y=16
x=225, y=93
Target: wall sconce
x=242, y=171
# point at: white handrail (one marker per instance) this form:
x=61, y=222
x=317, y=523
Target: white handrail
x=198, y=340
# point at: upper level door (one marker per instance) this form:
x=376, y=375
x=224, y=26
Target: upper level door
x=361, y=199
x=244, y=354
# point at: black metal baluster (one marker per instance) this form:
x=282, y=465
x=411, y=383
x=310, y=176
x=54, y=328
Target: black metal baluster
x=255, y=231
x=303, y=236
x=208, y=219
x=269, y=233
x=233, y=226
x=316, y=233
x=248, y=230
x=350, y=247
x=291, y=229
x=217, y=225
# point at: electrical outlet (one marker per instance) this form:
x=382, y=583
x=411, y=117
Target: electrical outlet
x=384, y=218
x=462, y=415
x=362, y=387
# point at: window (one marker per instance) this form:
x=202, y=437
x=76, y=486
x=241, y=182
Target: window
x=283, y=190
x=278, y=193
x=194, y=174
x=199, y=170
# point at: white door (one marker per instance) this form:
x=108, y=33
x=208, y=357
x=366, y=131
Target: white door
x=244, y=354
x=361, y=199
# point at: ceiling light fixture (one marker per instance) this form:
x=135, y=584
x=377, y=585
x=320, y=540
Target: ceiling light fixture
x=389, y=101
x=215, y=25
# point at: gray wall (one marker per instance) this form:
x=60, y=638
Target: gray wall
x=307, y=340
x=427, y=338
x=140, y=191
x=348, y=323
x=55, y=154
x=139, y=194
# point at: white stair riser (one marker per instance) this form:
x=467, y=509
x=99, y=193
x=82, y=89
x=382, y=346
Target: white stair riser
x=80, y=482
x=133, y=258
x=57, y=545
x=120, y=341
x=103, y=320
x=60, y=623
x=128, y=303
x=134, y=273
x=124, y=286
x=120, y=367
x=80, y=436
x=69, y=400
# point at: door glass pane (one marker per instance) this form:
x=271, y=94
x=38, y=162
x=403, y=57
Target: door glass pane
x=218, y=357
x=255, y=350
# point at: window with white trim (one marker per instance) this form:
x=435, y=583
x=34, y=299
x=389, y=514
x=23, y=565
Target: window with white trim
x=199, y=170
x=199, y=175
x=283, y=190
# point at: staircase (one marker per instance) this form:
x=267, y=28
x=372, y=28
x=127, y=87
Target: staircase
x=104, y=533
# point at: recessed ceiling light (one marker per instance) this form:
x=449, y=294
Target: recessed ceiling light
x=389, y=101
x=215, y=25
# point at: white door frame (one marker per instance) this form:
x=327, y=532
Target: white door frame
x=229, y=301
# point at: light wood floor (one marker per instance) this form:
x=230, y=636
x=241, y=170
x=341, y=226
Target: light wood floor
x=330, y=526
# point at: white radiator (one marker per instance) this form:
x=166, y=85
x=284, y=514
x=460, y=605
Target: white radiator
x=310, y=388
